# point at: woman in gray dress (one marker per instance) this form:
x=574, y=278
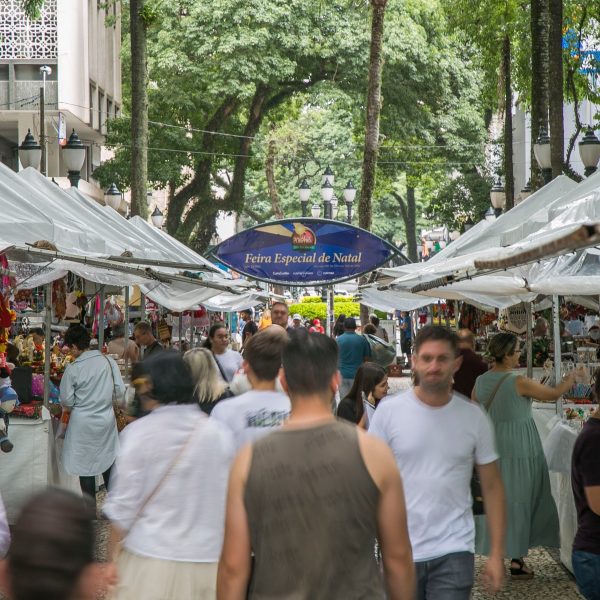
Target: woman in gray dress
x=86, y=392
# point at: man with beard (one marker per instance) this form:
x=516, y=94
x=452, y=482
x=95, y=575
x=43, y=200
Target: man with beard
x=436, y=436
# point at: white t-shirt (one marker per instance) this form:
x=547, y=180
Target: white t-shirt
x=185, y=519
x=435, y=448
x=230, y=362
x=253, y=414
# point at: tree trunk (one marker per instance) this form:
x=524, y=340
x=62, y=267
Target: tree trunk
x=539, y=79
x=373, y=110
x=556, y=91
x=408, y=210
x=411, y=224
x=139, y=110
x=509, y=176
x=270, y=174
x=372, y=125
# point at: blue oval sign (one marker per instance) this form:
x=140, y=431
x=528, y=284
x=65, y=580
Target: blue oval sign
x=304, y=251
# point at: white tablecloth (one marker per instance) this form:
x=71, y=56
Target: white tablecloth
x=33, y=464
x=558, y=440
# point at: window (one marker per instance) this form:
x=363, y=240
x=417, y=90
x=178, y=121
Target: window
x=101, y=113
x=109, y=109
x=92, y=105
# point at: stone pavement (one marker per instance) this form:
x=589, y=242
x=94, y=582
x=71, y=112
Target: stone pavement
x=552, y=581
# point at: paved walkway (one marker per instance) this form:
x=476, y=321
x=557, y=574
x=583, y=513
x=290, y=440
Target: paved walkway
x=552, y=581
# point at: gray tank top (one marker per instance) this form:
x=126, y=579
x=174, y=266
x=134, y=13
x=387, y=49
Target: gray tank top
x=312, y=508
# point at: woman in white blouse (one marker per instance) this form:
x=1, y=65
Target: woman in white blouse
x=167, y=496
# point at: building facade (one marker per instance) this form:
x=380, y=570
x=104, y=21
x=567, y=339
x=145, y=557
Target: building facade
x=80, y=40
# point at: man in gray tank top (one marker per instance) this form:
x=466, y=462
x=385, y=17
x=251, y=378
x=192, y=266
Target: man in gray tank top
x=309, y=500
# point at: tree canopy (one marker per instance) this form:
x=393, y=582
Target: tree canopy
x=234, y=82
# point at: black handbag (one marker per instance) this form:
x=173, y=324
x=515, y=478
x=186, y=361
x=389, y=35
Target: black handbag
x=478, y=507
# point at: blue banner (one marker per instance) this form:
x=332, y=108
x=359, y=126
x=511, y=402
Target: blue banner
x=304, y=251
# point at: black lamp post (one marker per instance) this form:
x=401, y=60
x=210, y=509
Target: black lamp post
x=304, y=193
x=326, y=195
x=73, y=153
x=349, y=195
x=331, y=204
x=541, y=150
x=589, y=151
x=157, y=218
x=498, y=197
x=30, y=152
x=112, y=197
x=490, y=215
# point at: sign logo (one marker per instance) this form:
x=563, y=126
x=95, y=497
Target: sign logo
x=304, y=251
x=303, y=239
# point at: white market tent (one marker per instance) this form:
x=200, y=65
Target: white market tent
x=546, y=215
x=134, y=237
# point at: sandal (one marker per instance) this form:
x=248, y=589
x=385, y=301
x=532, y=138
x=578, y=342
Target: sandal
x=521, y=573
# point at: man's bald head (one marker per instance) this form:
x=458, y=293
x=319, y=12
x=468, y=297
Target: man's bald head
x=466, y=339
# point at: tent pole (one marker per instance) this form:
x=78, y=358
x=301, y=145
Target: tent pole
x=181, y=332
x=126, y=324
x=457, y=315
x=557, y=354
x=329, y=313
x=47, y=343
x=529, y=339
x=143, y=306
x=101, y=320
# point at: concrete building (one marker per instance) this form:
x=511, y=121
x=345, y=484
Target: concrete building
x=82, y=45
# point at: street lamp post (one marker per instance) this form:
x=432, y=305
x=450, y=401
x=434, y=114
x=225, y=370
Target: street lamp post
x=541, y=150
x=468, y=224
x=589, y=151
x=30, y=152
x=326, y=195
x=112, y=197
x=46, y=71
x=498, y=197
x=157, y=218
x=490, y=215
x=304, y=193
x=331, y=204
x=526, y=191
x=349, y=195
x=73, y=153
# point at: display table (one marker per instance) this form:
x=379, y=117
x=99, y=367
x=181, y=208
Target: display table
x=558, y=440
x=33, y=464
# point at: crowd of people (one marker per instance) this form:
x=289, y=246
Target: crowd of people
x=241, y=476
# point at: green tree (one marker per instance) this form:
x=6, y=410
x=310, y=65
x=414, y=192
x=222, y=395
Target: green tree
x=216, y=69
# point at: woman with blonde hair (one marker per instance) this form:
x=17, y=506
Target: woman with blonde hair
x=209, y=386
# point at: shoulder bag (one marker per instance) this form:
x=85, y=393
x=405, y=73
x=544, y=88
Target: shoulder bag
x=120, y=417
x=478, y=507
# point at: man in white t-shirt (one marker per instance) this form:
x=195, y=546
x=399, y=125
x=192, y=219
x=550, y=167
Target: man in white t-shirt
x=436, y=437
x=254, y=414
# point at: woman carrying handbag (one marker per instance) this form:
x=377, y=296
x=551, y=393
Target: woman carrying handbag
x=167, y=500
